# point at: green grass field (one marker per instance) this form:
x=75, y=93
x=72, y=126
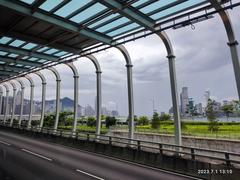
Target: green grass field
x=197, y=129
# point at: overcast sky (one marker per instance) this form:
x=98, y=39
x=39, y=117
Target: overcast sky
x=202, y=62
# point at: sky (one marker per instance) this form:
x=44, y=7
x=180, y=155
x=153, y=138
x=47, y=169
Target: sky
x=203, y=62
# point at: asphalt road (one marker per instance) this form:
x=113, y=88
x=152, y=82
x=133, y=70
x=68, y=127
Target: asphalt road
x=25, y=158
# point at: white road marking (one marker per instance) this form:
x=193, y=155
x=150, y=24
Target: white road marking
x=91, y=175
x=36, y=154
x=5, y=143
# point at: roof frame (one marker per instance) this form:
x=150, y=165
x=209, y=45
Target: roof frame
x=55, y=20
x=20, y=61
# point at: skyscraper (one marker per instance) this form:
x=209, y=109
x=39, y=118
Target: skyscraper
x=184, y=100
x=206, y=97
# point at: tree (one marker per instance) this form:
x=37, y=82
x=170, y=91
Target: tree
x=165, y=117
x=155, y=121
x=65, y=118
x=143, y=120
x=211, y=115
x=91, y=121
x=110, y=121
x=227, y=109
x=49, y=120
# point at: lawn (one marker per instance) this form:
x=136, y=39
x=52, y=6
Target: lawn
x=226, y=130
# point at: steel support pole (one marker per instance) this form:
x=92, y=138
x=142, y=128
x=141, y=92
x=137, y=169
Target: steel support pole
x=43, y=98
x=130, y=90
x=76, y=87
x=6, y=103
x=173, y=80
x=1, y=99
x=31, y=101
x=99, y=93
x=58, y=87
x=174, y=91
x=232, y=41
x=21, y=101
x=14, y=102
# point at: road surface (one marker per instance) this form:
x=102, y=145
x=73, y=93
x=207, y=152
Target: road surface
x=25, y=158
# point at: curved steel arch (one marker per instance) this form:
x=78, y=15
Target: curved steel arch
x=1, y=99
x=129, y=66
x=14, y=101
x=6, y=102
x=43, y=97
x=22, y=100
x=232, y=41
x=99, y=92
x=173, y=80
x=58, y=83
x=76, y=87
x=31, y=100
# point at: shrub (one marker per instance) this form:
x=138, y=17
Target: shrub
x=143, y=120
x=155, y=121
x=165, y=117
x=110, y=121
x=91, y=121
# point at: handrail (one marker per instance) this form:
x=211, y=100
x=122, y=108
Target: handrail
x=137, y=143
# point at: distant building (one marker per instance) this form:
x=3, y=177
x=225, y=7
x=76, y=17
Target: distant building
x=89, y=111
x=184, y=101
x=199, y=109
x=206, y=97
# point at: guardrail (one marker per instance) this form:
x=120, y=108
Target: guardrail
x=193, y=153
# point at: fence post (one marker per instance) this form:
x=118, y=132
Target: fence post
x=139, y=145
x=110, y=140
x=227, y=159
x=193, y=153
x=76, y=136
x=160, y=149
x=87, y=137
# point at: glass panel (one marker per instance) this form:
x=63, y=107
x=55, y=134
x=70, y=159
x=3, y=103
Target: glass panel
x=113, y=24
x=123, y=29
x=62, y=53
x=103, y=20
x=42, y=49
x=50, y=4
x=28, y=1
x=139, y=2
x=5, y=40
x=19, y=65
x=25, y=57
x=71, y=7
x=16, y=43
x=13, y=55
x=33, y=59
x=156, y=5
x=96, y=8
x=51, y=51
x=42, y=60
x=1, y=62
x=29, y=46
x=3, y=53
x=176, y=8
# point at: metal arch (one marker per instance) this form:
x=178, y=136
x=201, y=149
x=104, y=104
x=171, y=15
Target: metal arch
x=14, y=101
x=1, y=99
x=99, y=92
x=58, y=81
x=56, y=21
x=76, y=87
x=173, y=80
x=31, y=100
x=95, y=62
x=130, y=90
x=232, y=40
x=43, y=97
x=6, y=102
x=125, y=54
x=22, y=100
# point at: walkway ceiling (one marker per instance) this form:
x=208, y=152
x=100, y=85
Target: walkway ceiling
x=36, y=34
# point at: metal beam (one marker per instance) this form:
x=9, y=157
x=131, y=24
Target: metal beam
x=14, y=102
x=34, y=39
x=7, y=73
x=27, y=53
x=129, y=12
x=17, y=61
x=55, y=20
x=22, y=100
x=13, y=68
x=31, y=101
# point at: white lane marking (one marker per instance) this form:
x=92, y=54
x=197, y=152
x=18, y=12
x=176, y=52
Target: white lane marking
x=5, y=143
x=36, y=154
x=91, y=175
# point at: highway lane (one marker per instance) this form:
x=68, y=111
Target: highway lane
x=32, y=159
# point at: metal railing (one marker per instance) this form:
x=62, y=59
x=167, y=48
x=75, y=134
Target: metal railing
x=193, y=153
